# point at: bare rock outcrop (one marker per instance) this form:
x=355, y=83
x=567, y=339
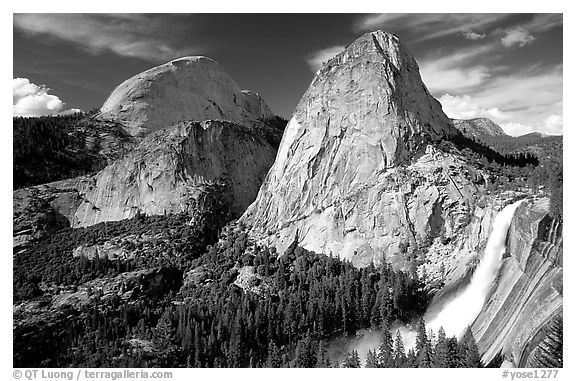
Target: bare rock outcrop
x=528, y=292
x=191, y=166
x=365, y=168
x=478, y=127
x=189, y=88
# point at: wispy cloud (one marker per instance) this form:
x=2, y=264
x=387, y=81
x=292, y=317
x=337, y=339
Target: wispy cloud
x=456, y=71
x=29, y=99
x=129, y=35
x=316, y=59
x=430, y=26
x=524, y=34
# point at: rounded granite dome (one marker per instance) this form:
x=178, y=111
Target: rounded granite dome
x=194, y=88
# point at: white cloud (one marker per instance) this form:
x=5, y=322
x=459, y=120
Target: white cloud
x=554, y=124
x=429, y=26
x=29, y=99
x=469, y=35
x=517, y=37
x=514, y=122
x=316, y=59
x=128, y=35
x=463, y=107
x=517, y=129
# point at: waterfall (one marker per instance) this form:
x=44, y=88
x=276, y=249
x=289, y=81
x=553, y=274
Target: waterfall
x=464, y=307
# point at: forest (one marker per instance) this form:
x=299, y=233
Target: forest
x=298, y=298
x=526, y=163
x=52, y=148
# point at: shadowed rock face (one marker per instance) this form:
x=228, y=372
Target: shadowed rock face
x=189, y=88
x=528, y=291
x=358, y=173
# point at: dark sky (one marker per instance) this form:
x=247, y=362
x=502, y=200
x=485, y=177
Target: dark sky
x=476, y=65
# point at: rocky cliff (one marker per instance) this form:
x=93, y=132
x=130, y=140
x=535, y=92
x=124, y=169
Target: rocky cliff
x=478, y=127
x=202, y=144
x=365, y=167
x=189, y=88
x=178, y=170
x=528, y=292
x=191, y=167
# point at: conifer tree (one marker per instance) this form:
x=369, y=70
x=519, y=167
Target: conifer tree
x=399, y=353
x=421, y=337
x=386, y=350
x=322, y=356
x=352, y=360
x=274, y=359
x=371, y=359
x=411, y=359
x=468, y=351
x=305, y=356
x=441, y=357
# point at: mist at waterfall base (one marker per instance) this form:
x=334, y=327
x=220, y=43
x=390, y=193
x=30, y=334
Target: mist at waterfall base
x=454, y=314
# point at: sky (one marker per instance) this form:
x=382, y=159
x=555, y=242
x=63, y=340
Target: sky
x=506, y=67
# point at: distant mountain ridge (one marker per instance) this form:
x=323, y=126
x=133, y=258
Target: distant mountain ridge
x=478, y=127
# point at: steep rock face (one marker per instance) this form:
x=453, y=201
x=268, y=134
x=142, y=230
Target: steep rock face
x=478, y=127
x=528, y=291
x=180, y=169
x=193, y=167
x=189, y=88
x=359, y=173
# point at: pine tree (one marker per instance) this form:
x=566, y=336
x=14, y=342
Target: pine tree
x=424, y=359
x=305, y=356
x=274, y=359
x=399, y=353
x=453, y=352
x=322, y=356
x=411, y=359
x=468, y=350
x=352, y=360
x=441, y=357
x=386, y=351
x=421, y=337
x=371, y=359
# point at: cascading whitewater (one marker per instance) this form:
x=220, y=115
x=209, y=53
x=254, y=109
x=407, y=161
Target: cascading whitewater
x=462, y=309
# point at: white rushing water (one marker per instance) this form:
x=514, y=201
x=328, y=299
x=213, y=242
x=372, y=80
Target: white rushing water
x=464, y=307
